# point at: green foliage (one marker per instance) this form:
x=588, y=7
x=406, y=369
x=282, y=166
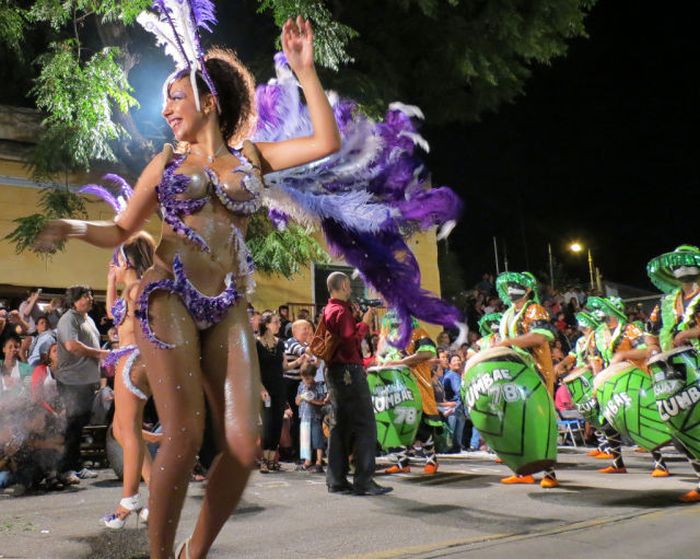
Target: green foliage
x=12, y=23
x=58, y=13
x=78, y=98
x=330, y=36
x=456, y=59
x=282, y=253
x=56, y=202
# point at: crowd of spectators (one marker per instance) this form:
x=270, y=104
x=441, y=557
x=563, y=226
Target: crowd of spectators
x=40, y=433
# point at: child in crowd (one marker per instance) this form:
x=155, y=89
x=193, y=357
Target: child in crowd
x=311, y=397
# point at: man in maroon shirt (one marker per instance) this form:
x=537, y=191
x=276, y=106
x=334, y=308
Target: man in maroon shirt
x=353, y=428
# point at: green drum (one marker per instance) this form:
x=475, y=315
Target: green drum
x=625, y=395
x=510, y=406
x=580, y=385
x=676, y=379
x=397, y=405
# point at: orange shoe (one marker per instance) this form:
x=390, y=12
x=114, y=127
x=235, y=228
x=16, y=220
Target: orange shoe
x=593, y=453
x=549, y=482
x=430, y=469
x=604, y=456
x=658, y=472
x=498, y=460
x=690, y=497
x=518, y=479
x=613, y=470
x=396, y=469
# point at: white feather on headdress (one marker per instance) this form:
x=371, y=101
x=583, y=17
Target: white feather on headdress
x=176, y=24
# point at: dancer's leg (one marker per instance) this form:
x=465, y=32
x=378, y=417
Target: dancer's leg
x=128, y=420
x=232, y=385
x=175, y=378
x=660, y=467
x=615, y=448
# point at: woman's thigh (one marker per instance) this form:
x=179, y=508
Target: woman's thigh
x=174, y=375
x=232, y=381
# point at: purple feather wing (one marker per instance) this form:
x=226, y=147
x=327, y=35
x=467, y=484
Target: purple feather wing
x=367, y=196
x=102, y=193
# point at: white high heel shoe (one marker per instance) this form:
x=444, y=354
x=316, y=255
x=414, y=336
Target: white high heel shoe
x=183, y=545
x=131, y=504
x=143, y=515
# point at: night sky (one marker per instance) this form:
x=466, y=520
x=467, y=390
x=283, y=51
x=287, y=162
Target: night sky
x=598, y=150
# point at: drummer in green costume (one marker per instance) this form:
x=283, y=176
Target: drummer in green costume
x=676, y=322
x=488, y=328
x=578, y=357
x=616, y=340
x=417, y=356
x=526, y=328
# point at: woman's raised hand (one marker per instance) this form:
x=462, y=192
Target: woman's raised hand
x=298, y=43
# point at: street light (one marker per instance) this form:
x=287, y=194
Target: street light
x=577, y=247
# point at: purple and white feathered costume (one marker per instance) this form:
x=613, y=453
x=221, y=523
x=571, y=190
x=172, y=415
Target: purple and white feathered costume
x=366, y=198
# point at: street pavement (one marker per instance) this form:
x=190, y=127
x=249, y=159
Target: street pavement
x=463, y=511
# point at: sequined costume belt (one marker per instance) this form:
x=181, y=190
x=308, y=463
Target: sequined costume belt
x=204, y=310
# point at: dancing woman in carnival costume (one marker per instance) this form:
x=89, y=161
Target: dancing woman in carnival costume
x=617, y=340
x=325, y=165
x=131, y=391
x=526, y=328
x=418, y=356
x=675, y=323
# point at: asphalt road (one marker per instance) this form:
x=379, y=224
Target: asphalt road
x=463, y=511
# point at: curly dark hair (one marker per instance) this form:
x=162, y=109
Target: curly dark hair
x=235, y=89
x=75, y=292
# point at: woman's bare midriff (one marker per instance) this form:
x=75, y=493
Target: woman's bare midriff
x=206, y=270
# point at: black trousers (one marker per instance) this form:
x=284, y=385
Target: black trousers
x=77, y=400
x=272, y=418
x=292, y=386
x=353, y=427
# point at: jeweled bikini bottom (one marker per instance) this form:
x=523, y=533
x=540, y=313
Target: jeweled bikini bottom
x=205, y=310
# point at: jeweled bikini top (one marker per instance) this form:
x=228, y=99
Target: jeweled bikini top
x=180, y=194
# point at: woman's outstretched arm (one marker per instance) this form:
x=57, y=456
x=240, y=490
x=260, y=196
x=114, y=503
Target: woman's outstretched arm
x=297, y=44
x=108, y=234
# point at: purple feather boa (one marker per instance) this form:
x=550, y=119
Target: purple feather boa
x=388, y=266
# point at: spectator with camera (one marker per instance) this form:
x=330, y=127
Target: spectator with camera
x=77, y=375
x=353, y=427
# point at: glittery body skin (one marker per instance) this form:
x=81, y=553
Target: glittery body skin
x=192, y=204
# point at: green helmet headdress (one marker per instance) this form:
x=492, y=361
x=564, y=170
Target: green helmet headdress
x=587, y=320
x=611, y=306
x=487, y=322
x=390, y=324
x=509, y=284
x=668, y=271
